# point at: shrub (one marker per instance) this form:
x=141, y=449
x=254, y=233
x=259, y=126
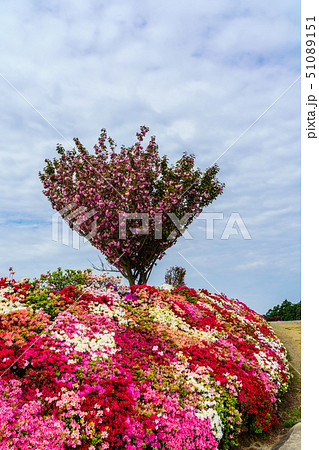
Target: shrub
x=149, y=368
x=59, y=279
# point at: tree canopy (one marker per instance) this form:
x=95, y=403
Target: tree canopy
x=285, y=311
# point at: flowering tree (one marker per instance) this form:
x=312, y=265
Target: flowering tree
x=132, y=205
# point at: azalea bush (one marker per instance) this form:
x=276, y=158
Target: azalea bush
x=99, y=366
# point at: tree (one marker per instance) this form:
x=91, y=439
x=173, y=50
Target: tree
x=175, y=276
x=108, y=190
x=285, y=311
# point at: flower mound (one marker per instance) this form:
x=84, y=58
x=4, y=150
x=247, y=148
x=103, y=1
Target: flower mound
x=97, y=366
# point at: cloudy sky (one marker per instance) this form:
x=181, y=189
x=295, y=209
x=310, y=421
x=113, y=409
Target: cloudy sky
x=217, y=79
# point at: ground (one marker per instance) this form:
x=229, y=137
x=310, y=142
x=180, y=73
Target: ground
x=289, y=411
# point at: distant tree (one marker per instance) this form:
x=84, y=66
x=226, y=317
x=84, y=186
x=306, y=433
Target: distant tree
x=175, y=276
x=109, y=188
x=285, y=311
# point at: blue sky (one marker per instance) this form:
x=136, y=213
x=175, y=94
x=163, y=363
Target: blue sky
x=217, y=79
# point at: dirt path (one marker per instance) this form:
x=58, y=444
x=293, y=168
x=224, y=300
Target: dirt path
x=290, y=335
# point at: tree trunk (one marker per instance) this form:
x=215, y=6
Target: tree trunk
x=142, y=278
x=131, y=279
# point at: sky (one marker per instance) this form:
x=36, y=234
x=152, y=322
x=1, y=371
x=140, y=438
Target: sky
x=217, y=79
